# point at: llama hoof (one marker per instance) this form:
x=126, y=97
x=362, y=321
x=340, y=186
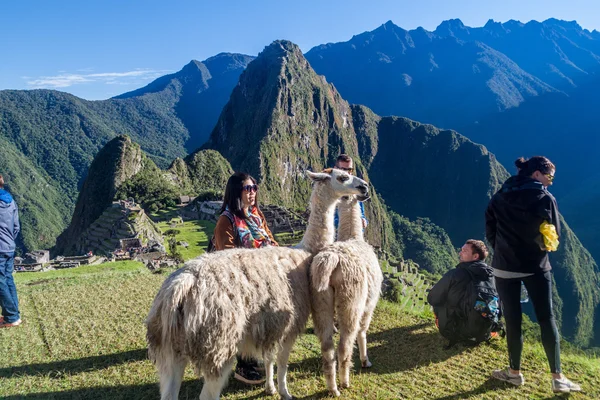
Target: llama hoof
x=367, y=364
x=270, y=390
x=335, y=393
x=286, y=396
x=345, y=385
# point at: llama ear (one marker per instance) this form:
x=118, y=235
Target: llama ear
x=318, y=176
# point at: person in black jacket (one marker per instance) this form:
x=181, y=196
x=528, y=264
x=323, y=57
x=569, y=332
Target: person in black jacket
x=513, y=220
x=448, y=297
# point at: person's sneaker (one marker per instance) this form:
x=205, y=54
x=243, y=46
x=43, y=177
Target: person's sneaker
x=248, y=375
x=564, y=386
x=506, y=376
x=5, y=324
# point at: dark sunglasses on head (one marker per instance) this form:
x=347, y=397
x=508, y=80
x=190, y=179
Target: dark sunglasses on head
x=250, y=188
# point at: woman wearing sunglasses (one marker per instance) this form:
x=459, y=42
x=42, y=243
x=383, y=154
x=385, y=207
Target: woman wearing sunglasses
x=513, y=220
x=242, y=224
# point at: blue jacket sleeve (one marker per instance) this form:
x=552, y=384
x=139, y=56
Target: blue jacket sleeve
x=17, y=225
x=362, y=212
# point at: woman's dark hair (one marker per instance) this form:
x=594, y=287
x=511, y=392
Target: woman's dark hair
x=537, y=163
x=233, y=193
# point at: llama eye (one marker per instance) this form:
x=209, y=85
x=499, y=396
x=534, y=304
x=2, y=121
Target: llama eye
x=343, y=178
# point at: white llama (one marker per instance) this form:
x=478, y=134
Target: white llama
x=253, y=302
x=345, y=280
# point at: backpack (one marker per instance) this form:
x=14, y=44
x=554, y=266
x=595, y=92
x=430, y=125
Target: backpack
x=482, y=310
x=211, y=243
x=477, y=317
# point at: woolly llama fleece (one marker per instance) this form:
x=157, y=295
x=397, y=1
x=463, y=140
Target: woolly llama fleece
x=253, y=302
x=346, y=281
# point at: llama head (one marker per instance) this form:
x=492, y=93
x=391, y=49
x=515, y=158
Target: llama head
x=339, y=183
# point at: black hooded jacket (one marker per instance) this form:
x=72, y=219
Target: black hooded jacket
x=450, y=291
x=512, y=222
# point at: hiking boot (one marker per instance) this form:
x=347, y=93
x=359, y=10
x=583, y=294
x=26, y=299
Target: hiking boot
x=248, y=375
x=5, y=324
x=564, y=386
x=506, y=376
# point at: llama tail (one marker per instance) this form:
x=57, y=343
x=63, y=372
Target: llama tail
x=165, y=320
x=165, y=331
x=321, y=269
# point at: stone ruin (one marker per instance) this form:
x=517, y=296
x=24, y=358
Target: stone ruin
x=58, y=263
x=413, y=285
x=122, y=221
x=282, y=220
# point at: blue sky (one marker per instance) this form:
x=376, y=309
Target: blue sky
x=98, y=49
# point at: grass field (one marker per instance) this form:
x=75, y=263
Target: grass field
x=195, y=233
x=83, y=338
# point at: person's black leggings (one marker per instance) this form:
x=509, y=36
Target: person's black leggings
x=539, y=287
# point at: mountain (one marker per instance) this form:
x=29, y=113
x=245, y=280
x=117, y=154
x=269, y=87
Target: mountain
x=561, y=53
x=423, y=171
x=43, y=209
x=121, y=170
x=283, y=118
x=563, y=128
x=519, y=89
x=419, y=74
x=442, y=175
x=57, y=135
x=200, y=89
x=118, y=161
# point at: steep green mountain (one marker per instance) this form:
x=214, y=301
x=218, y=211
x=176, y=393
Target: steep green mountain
x=563, y=129
x=201, y=171
x=61, y=133
x=121, y=170
x=43, y=209
x=282, y=119
x=58, y=134
x=118, y=161
x=423, y=171
x=197, y=93
x=418, y=74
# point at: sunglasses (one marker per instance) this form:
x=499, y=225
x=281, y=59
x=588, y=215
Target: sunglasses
x=250, y=188
x=550, y=177
x=346, y=169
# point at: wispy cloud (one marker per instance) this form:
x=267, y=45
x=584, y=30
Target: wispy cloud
x=63, y=79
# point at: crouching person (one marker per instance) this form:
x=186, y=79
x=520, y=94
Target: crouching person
x=465, y=301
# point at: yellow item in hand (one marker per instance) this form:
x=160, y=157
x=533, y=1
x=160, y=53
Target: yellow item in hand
x=550, y=236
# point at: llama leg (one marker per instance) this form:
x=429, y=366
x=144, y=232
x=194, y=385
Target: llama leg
x=323, y=316
x=213, y=384
x=170, y=370
x=362, y=339
x=349, y=326
x=269, y=364
x=282, y=367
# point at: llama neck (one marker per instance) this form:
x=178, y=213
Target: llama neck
x=320, y=231
x=350, y=226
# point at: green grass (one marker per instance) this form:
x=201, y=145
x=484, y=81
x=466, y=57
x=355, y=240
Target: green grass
x=117, y=266
x=195, y=233
x=83, y=338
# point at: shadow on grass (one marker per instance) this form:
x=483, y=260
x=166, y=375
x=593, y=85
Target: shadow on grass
x=75, y=366
x=488, y=385
x=189, y=390
x=405, y=348
x=395, y=350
